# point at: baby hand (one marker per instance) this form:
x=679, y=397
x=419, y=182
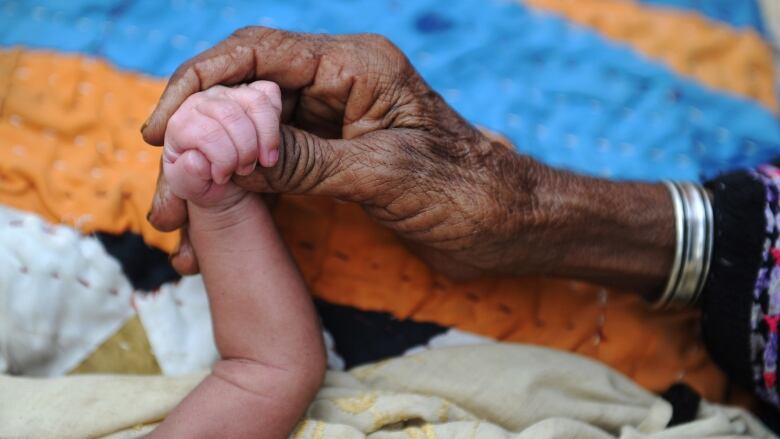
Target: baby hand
x=219, y=132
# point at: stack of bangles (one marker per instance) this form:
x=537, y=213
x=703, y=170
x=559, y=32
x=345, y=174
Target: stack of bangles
x=693, y=246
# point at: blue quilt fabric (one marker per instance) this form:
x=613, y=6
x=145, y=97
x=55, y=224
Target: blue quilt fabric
x=738, y=13
x=562, y=93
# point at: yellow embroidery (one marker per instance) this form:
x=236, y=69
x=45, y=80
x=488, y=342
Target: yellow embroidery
x=356, y=404
x=298, y=433
x=429, y=433
x=444, y=412
x=319, y=430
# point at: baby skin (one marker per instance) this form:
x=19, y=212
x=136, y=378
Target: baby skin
x=265, y=327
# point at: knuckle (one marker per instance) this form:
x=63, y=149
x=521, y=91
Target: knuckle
x=274, y=89
x=215, y=91
x=381, y=42
x=246, y=31
x=175, y=124
x=387, y=49
x=256, y=96
x=183, y=70
x=271, y=93
x=193, y=101
x=181, y=133
x=206, y=135
x=248, y=37
x=261, y=105
x=267, y=87
x=227, y=112
x=383, y=59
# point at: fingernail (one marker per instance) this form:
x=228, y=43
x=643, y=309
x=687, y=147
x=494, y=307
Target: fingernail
x=273, y=156
x=149, y=216
x=248, y=169
x=145, y=124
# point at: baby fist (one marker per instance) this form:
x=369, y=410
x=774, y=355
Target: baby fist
x=220, y=132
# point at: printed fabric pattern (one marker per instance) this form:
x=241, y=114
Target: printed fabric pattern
x=765, y=314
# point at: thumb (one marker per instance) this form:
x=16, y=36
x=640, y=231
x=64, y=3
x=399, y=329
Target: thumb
x=312, y=165
x=183, y=259
x=168, y=212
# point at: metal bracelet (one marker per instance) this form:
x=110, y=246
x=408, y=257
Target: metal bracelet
x=679, y=228
x=709, y=242
x=693, y=255
x=693, y=245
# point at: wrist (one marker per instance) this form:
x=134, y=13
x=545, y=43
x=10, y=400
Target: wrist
x=618, y=234
x=224, y=216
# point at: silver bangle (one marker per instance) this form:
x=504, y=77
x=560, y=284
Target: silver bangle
x=679, y=228
x=693, y=245
x=709, y=242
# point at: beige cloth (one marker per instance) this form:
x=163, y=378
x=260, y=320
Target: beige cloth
x=484, y=391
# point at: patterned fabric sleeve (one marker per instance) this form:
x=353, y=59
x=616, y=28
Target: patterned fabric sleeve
x=741, y=300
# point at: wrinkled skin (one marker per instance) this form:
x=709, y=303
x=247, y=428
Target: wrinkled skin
x=361, y=125
x=369, y=130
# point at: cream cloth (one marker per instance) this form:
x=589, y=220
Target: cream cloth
x=482, y=391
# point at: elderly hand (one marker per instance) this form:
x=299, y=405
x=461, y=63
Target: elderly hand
x=361, y=125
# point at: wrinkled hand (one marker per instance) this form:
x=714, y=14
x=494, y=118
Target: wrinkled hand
x=361, y=125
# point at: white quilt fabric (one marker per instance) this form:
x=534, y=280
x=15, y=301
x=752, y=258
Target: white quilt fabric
x=61, y=295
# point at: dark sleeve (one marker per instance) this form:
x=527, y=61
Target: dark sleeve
x=741, y=298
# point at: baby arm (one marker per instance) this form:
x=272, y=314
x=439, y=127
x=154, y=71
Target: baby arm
x=265, y=326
